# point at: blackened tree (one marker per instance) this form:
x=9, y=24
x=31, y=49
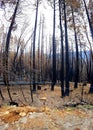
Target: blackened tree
x=77, y=55
x=66, y=50
x=91, y=30
x=62, y=51
x=54, y=50
x=6, y=52
x=34, y=46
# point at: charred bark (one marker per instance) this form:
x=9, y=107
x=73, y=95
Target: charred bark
x=62, y=51
x=54, y=54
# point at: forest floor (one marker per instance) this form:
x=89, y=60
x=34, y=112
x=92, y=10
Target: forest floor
x=48, y=111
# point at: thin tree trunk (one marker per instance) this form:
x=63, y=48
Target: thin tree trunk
x=6, y=52
x=1, y=95
x=34, y=45
x=67, y=52
x=72, y=64
x=77, y=59
x=91, y=30
x=50, y=61
x=42, y=48
x=46, y=72
x=31, y=91
x=89, y=21
x=54, y=54
x=62, y=52
x=39, y=51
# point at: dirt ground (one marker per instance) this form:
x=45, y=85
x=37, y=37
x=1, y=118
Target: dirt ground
x=48, y=111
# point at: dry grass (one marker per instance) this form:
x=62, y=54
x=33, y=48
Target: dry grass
x=21, y=95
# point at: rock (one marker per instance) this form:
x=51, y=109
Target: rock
x=22, y=114
x=7, y=112
x=35, y=115
x=43, y=99
x=68, y=125
x=4, y=127
x=23, y=120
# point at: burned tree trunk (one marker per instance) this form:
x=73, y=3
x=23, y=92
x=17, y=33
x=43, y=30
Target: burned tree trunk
x=6, y=51
x=54, y=54
x=67, y=51
x=62, y=51
x=34, y=45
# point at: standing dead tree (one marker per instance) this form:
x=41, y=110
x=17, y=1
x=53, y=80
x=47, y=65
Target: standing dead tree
x=6, y=51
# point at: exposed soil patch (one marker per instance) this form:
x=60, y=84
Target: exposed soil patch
x=48, y=111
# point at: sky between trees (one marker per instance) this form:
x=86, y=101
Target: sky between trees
x=27, y=16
